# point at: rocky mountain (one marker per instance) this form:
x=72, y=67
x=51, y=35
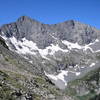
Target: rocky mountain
x=41, y=62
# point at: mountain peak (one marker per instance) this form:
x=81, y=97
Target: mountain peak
x=24, y=18
x=71, y=22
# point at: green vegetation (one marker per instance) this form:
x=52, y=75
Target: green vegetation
x=5, y=90
x=87, y=97
x=39, y=80
x=45, y=85
x=10, y=82
x=36, y=97
x=89, y=83
x=11, y=61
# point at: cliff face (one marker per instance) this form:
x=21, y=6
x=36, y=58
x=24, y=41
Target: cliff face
x=41, y=34
x=39, y=60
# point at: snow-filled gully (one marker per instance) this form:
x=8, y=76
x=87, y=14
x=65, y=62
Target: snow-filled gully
x=65, y=76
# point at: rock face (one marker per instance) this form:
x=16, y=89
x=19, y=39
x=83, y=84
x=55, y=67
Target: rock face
x=2, y=42
x=45, y=58
x=41, y=34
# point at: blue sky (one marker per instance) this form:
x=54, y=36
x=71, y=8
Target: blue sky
x=51, y=11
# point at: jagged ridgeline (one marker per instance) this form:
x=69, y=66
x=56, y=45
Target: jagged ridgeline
x=41, y=61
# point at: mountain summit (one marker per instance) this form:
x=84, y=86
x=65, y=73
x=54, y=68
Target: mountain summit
x=72, y=31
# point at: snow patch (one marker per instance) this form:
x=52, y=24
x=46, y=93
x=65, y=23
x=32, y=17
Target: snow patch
x=77, y=73
x=59, y=80
x=72, y=45
x=24, y=46
x=51, y=50
x=77, y=46
x=93, y=64
x=97, y=40
x=97, y=51
x=31, y=61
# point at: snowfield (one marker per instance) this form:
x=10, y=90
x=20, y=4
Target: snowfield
x=77, y=46
x=59, y=80
x=29, y=47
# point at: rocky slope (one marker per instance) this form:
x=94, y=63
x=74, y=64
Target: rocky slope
x=43, y=61
x=21, y=80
